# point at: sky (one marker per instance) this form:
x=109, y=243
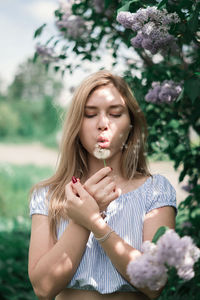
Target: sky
x=18, y=21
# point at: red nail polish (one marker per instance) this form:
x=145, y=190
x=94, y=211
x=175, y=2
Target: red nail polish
x=111, y=169
x=74, y=180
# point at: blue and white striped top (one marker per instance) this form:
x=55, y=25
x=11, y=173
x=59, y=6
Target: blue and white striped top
x=125, y=215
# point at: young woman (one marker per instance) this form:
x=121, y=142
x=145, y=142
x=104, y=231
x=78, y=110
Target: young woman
x=89, y=220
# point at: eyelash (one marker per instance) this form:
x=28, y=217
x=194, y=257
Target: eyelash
x=115, y=116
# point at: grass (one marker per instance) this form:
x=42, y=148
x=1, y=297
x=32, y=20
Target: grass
x=15, y=183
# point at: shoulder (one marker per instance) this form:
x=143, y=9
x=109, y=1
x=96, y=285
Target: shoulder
x=161, y=182
x=39, y=201
x=160, y=193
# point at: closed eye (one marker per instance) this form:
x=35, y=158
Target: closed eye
x=90, y=116
x=116, y=115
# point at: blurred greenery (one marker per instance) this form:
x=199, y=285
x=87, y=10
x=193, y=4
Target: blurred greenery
x=15, y=183
x=14, y=282
x=29, y=109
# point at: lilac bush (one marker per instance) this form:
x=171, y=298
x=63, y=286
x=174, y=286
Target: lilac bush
x=152, y=26
x=165, y=92
x=150, y=269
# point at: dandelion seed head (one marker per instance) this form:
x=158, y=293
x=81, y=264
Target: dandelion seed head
x=101, y=153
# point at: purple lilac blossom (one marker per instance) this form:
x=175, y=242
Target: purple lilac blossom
x=177, y=252
x=165, y=92
x=146, y=272
x=70, y=25
x=150, y=269
x=152, y=27
x=47, y=54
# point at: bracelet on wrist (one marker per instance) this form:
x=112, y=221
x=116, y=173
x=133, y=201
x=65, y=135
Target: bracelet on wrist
x=105, y=237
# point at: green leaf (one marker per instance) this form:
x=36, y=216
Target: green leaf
x=35, y=57
x=126, y=6
x=56, y=68
x=192, y=88
x=180, y=96
x=62, y=56
x=193, y=22
x=197, y=73
x=162, y=3
x=107, y=3
x=161, y=230
x=174, y=124
x=39, y=30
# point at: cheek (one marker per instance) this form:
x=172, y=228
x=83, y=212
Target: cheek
x=85, y=136
x=122, y=133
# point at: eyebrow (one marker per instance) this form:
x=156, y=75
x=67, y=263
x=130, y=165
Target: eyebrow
x=110, y=107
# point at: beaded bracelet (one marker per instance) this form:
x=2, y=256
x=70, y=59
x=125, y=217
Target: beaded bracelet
x=105, y=237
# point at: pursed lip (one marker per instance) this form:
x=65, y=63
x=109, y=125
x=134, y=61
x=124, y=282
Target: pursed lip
x=102, y=139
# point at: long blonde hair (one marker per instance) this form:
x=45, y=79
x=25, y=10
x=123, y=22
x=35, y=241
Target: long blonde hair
x=73, y=156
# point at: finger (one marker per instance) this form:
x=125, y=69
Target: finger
x=102, y=193
x=109, y=198
x=98, y=176
x=104, y=183
x=111, y=187
x=113, y=195
x=79, y=189
x=69, y=190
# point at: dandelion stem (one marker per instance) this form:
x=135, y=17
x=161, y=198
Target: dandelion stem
x=104, y=162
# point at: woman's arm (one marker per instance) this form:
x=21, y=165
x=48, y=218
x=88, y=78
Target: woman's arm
x=84, y=210
x=52, y=264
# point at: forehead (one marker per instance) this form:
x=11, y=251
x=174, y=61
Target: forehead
x=107, y=94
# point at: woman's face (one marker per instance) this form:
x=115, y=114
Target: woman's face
x=106, y=122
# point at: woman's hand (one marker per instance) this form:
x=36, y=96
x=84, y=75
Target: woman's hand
x=81, y=207
x=102, y=188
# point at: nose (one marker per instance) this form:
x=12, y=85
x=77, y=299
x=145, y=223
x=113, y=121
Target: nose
x=103, y=122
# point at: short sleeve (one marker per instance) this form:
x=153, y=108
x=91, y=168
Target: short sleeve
x=39, y=202
x=161, y=193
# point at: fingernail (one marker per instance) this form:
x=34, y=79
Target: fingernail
x=111, y=169
x=74, y=180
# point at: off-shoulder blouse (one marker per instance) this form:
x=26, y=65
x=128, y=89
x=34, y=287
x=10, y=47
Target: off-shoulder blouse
x=125, y=215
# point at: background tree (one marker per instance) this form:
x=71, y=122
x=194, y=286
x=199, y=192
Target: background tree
x=33, y=83
x=29, y=109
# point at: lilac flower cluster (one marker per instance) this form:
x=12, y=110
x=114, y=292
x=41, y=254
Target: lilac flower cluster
x=165, y=92
x=152, y=27
x=47, y=54
x=74, y=25
x=150, y=269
